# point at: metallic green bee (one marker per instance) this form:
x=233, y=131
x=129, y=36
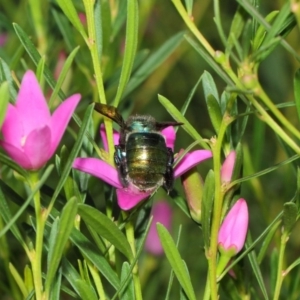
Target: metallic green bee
x=142, y=157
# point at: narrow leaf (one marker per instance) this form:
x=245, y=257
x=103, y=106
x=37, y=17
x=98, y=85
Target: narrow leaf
x=56, y=286
x=175, y=113
x=4, y=99
x=62, y=75
x=255, y=267
x=128, y=292
x=297, y=91
x=207, y=205
x=153, y=62
x=35, y=56
x=75, y=150
x=56, y=248
x=5, y=75
x=130, y=47
x=214, y=112
x=190, y=96
x=89, y=250
x=289, y=217
x=175, y=260
x=5, y=213
x=69, y=10
x=18, y=279
x=86, y=291
x=105, y=228
x=209, y=86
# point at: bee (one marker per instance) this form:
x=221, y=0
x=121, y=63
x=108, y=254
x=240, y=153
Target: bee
x=142, y=157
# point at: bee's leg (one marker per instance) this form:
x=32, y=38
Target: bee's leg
x=169, y=175
x=121, y=163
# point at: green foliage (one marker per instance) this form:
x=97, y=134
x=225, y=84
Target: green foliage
x=62, y=233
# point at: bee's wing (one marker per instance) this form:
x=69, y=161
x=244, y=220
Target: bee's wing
x=110, y=112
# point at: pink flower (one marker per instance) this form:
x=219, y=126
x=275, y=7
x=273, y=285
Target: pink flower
x=233, y=231
x=228, y=167
x=30, y=134
x=162, y=213
x=127, y=197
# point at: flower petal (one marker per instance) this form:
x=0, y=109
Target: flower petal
x=98, y=168
x=17, y=155
x=170, y=135
x=12, y=128
x=31, y=104
x=61, y=118
x=37, y=148
x=190, y=160
x=116, y=136
x=228, y=167
x=128, y=199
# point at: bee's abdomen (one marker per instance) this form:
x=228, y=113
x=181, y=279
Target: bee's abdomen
x=147, y=158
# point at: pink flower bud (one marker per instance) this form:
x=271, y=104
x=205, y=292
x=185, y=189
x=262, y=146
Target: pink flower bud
x=233, y=231
x=228, y=166
x=162, y=213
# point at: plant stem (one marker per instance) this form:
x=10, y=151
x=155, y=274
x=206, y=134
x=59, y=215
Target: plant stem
x=92, y=44
x=264, y=97
x=36, y=253
x=191, y=25
x=212, y=252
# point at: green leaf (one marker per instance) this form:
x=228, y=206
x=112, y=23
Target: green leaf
x=261, y=31
x=153, y=62
x=210, y=60
x=75, y=150
x=207, y=205
x=4, y=99
x=62, y=75
x=175, y=261
x=5, y=75
x=255, y=266
x=274, y=260
x=40, y=70
x=70, y=274
x=18, y=279
x=189, y=6
x=236, y=29
x=89, y=250
x=190, y=96
x=214, y=112
x=6, y=215
x=209, y=86
x=5, y=160
x=59, y=239
x=266, y=241
x=175, y=113
x=297, y=91
x=56, y=286
x=105, y=228
x=86, y=291
x=35, y=56
x=69, y=10
x=289, y=217
x=130, y=47
x=127, y=293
